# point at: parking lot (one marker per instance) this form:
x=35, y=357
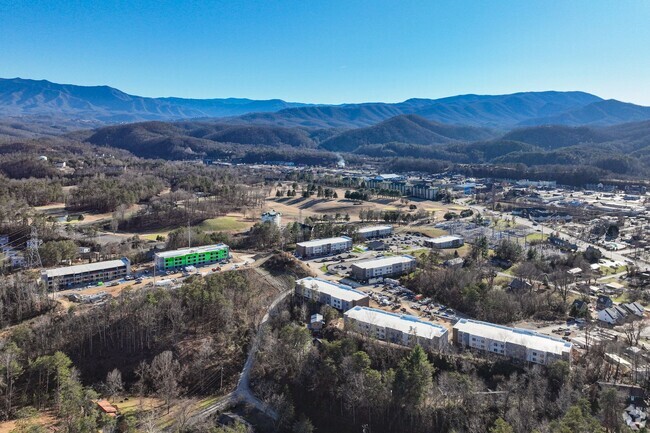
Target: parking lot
x=404, y=242
x=398, y=299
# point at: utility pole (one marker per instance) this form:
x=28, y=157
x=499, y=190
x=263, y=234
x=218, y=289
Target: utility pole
x=189, y=233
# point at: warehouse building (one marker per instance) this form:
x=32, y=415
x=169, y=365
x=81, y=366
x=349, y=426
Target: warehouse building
x=375, y=231
x=198, y=256
x=515, y=343
x=335, y=295
x=323, y=247
x=91, y=273
x=442, y=242
x=399, y=329
x=392, y=266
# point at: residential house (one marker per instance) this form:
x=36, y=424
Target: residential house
x=604, y=302
x=579, y=307
x=635, y=308
x=612, y=315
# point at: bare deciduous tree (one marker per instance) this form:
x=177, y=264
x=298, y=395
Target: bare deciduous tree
x=633, y=331
x=114, y=384
x=166, y=372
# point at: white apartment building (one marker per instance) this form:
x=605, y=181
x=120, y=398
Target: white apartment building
x=404, y=330
x=383, y=267
x=375, y=231
x=515, y=343
x=335, y=295
x=323, y=247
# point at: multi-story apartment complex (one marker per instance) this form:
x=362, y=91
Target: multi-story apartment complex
x=375, y=231
x=335, y=295
x=399, y=329
x=383, y=267
x=198, y=256
x=442, y=242
x=515, y=343
x=323, y=247
x=62, y=278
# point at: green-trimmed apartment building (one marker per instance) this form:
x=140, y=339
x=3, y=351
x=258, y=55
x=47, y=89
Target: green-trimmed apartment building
x=198, y=256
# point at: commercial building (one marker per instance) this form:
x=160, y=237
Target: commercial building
x=198, y=256
x=323, y=247
x=375, y=231
x=383, y=267
x=419, y=190
x=390, y=177
x=399, y=329
x=272, y=217
x=335, y=295
x=442, y=242
x=62, y=278
x=515, y=343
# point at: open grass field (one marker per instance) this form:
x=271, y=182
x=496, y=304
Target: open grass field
x=58, y=211
x=43, y=419
x=425, y=230
x=152, y=236
x=536, y=237
x=608, y=270
x=224, y=223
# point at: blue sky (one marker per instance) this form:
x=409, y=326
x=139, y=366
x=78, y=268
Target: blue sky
x=332, y=51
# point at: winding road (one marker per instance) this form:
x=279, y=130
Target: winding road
x=243, y=393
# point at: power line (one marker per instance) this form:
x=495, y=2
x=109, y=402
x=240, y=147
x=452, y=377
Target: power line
x=33, y=257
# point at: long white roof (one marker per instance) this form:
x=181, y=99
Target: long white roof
x=445, y=238
x=529, y=339
x=374, y=228
x=326, y=241
x=80, y=269
x=185, y=251
x=384, y=261
x=404, y=323
x=339, y=291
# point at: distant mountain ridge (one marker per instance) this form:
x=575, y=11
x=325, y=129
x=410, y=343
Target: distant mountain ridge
x=90, y=106
x=20, y=97
x=495, y=111
x=407, y=128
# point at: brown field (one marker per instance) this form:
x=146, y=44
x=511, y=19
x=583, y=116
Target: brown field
x=45, y=419
x=295, y=208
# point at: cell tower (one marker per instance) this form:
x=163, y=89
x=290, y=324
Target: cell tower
x=32, y=256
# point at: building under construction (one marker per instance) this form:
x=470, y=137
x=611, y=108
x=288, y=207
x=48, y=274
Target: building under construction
x=196, y=256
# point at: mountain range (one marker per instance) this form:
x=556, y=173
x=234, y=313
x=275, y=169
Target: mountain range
x=568, y=129
x=20, y=97
x=91, y=106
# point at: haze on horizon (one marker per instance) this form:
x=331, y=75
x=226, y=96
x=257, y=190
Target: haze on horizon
x=332, y=52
